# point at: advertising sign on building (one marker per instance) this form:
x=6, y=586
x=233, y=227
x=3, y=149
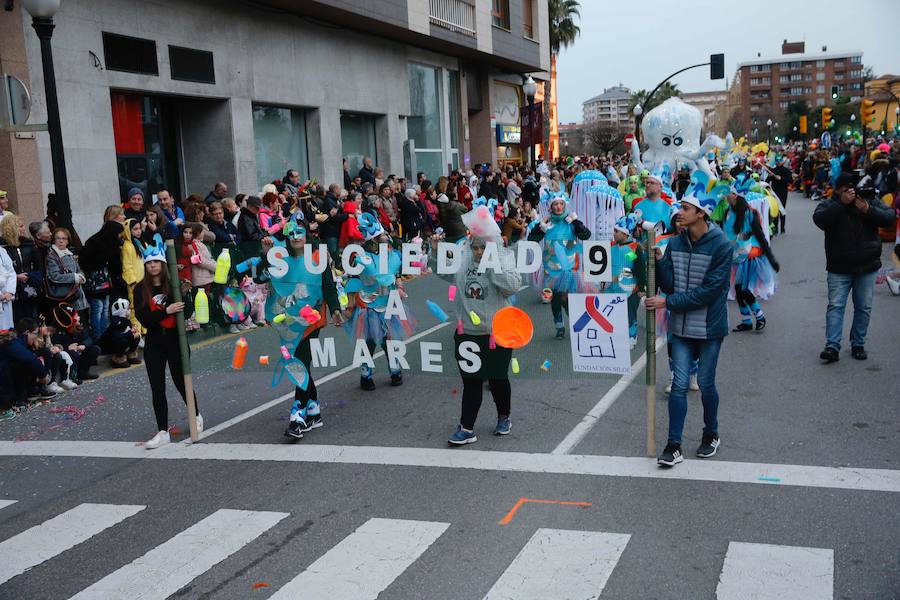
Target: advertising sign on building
x=509, y=134
x=598, y=333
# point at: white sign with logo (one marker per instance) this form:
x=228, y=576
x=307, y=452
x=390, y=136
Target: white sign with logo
x=598, y=333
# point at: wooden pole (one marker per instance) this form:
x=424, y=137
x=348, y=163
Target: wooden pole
x=651, y=342
x=172, y=264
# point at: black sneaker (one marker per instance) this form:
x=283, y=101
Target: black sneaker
x=671, y=456
x=295, y=429
x=859, y=353
x=709, y=445
x=560, y=334
x=367, y=383
x=396, y=379
x=46, y=394
x=90, y=376
x=760, y=323
x=743, y=327
x=830, y=355
x=313, y=422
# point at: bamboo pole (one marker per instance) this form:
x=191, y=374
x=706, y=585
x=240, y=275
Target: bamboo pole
x=184, y=350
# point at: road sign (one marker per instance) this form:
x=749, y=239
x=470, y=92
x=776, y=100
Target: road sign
x=629, y=138
x=15, y=101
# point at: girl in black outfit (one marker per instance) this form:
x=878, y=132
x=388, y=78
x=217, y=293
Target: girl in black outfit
x=156, y=312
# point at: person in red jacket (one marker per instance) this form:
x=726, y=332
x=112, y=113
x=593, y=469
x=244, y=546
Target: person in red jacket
x=350, y=233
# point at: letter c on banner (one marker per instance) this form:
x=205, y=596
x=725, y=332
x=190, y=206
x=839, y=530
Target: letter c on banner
x=470, y=361
x=349, y=251
x=278, y=267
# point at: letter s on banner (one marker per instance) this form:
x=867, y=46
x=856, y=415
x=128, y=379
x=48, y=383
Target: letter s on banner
x=470, y=361
x=278, y=267
x=597, y=260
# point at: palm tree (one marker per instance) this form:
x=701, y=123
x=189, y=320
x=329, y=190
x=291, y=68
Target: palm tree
x=563, y=32
x=666, y=91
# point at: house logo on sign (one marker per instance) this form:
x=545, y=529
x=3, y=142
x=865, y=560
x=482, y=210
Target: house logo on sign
x=599, y=333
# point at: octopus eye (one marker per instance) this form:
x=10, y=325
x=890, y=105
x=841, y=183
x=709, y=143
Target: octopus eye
x=666, y=141
x=677, y=141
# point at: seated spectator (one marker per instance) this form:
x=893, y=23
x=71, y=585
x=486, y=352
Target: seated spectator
x=122, y=337
x=72, y=338
x=20, y=368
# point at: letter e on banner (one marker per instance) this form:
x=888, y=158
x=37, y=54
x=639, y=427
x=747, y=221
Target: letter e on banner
x=597, y=260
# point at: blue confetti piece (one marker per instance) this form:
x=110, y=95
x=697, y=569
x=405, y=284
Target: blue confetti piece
x=437, y=311
x=772, y=479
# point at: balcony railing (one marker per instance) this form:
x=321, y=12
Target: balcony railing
x=455, y=15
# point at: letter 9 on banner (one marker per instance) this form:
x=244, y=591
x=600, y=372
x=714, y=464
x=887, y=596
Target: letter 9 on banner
x=597, y=258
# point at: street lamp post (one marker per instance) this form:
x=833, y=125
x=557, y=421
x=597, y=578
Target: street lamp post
x=768, y=131
x=42, y=12
x=530, y=89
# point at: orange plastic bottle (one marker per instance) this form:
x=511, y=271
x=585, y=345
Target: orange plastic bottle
x=240, y=354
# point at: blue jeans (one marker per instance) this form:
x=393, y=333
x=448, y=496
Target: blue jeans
x=99, y=315
x=839, y=287
x=684, y=352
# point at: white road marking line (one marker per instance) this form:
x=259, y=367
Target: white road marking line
x=178, y=561
x=281, y=399
x=848, y=478
x=579, y=432
x=54, y=536
x=5, y=503
x=769, y=572
x=365, y=562
x=557, y=563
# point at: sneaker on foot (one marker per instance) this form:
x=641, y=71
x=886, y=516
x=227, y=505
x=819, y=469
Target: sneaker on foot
x=504, y=426
x=743, y=327
x=859, y=353
x=234, y=329
x=314, y=421
x=669, y=386
x=830, y=355
x=367, y=383
x=709, y=445
x=560, y=333
x=462, y=436
x=160, y=439
x=396, y=379
x=46, y=394
x=54, y=387
x=893, y=285
x=295, y=429
x=199, y=423
x=760, y=323
x=67, y=384
x=6, y=415
x=632, y=343
x=89, y=376
x=695, y=387
x=671, y=456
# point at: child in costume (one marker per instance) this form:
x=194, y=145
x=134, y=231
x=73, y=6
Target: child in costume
x=156, y=312
x=369, y=295
x=299, y=305
x=76, y=343
x=132, y=262
x=482, y=294
x=122, y=337
x=624, y=262
x=561, y=232
x=753, y=272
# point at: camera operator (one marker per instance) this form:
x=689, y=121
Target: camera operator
x=850, y=220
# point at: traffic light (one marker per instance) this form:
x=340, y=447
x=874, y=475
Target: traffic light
x=834, y=92
x=717, y=66
x=867, y=111
x=826, y=118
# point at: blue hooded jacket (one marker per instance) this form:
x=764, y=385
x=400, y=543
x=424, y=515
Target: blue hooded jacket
x=695, y=276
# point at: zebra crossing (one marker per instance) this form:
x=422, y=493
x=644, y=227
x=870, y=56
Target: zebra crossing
x=553, y=563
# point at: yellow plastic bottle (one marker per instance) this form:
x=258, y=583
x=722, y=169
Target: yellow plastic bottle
x=223, y=266
x=201, y=306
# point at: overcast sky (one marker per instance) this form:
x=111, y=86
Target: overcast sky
x=638, y=43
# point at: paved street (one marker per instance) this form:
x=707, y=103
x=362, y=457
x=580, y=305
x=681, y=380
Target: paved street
x=801, y=501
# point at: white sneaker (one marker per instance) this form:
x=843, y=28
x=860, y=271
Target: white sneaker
x=695, y=387
x=199, y=423
x=246, y=326
x=141, y=342
x=234, y=329
x=160, y=439
x=669, y=386
x=893, y=285
x=54, y=387
x=632, y=342
x=68, y=384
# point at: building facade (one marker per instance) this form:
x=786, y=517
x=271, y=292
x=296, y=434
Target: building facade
x=571, y=138
x=609, y=108
x=706, y=103
x=186, y=93
x=769, y=85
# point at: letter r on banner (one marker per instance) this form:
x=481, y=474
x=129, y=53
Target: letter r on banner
x=597, y=260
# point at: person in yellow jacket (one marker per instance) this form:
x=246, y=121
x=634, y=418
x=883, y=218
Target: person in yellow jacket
x=132, y=270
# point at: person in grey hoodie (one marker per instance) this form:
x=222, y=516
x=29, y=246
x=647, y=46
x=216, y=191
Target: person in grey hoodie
x=479, y=296
x=695, y=274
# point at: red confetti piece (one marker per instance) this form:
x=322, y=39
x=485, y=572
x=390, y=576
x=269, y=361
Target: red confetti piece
x=453, y=391
x=260, y=584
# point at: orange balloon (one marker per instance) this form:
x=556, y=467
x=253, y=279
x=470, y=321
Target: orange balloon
x=512, y=327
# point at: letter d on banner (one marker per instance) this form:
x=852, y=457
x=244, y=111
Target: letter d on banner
x=597, y=260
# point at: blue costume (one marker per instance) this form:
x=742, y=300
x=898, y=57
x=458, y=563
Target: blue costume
x=624, y=257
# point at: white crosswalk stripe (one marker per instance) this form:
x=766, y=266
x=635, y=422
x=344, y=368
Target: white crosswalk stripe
x=178, y=561
x=558, y=563
x=364, y=563
x=5, y=503
x=55, y=536
x=768, y=572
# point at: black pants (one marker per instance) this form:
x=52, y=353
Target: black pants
x=745, y=297
x=83, y=361
x=781, y=216
x=159, y=349
x=494, y=370
x=558, y=303
x=303, y=353
x=371, y=345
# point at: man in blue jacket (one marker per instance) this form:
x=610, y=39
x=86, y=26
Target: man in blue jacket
x=694, y=273
x=19, y=366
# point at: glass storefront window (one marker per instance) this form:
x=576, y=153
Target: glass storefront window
x=453, y=108
x=145, y=140
x=424, y=122
x=357, y=140
x=279, y=135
